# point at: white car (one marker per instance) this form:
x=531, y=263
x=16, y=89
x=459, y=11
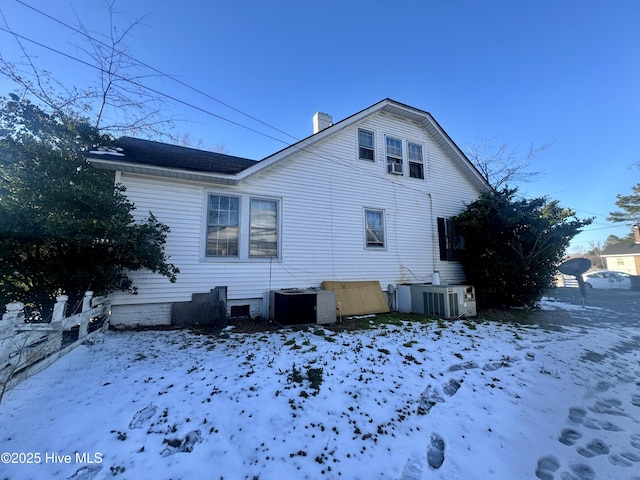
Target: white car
x=607, y=279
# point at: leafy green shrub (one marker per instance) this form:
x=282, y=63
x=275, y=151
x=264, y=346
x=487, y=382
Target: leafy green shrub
x=513, y=246
x=64, y=226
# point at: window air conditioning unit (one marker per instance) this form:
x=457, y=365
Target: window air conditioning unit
x=444, y=301
x=395, y=168
x=295, y=306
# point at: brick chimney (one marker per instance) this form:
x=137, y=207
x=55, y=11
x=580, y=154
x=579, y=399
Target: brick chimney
x=636, y=233
x=321, y=121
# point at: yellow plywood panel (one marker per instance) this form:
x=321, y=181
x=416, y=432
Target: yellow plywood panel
x=358, y=298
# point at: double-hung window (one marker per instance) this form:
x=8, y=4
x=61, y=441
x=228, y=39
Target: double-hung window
x=263, y=228
x=374, y=228
x=365, y=145
x=416, y=161
x=394, y=155
x=223, y=226
x=230, y=234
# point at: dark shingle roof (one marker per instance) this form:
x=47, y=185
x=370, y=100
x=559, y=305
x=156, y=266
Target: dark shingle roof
x=147, y=152
x=622, y=249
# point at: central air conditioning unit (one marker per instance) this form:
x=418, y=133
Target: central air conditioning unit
x=444, y=301
x=294, y=306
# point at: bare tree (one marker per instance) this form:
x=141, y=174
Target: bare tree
x=117, y=102
x=185, y=140
x=503, y=165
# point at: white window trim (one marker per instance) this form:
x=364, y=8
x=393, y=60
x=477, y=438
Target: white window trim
x=205, y=227
x=400, y=158
x=278, y=228
x=424, y=162
x=244, y=212
x=384, y=228
x=358, y=144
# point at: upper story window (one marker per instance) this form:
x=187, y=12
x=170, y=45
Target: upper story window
x=394, y=155
x=263, y=228
x=223, y=226
x=416, y=161
x=365, y=145
x=374, y=228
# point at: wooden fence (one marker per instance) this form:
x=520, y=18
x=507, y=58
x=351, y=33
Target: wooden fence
x=28, y=348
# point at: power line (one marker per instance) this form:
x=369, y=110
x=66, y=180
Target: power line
x=327, y=156
x=171, y=77
x=133, y=82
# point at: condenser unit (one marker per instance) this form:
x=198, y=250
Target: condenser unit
x=444, y=301
x=300, y=306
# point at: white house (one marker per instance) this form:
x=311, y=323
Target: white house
x=624, y=257
x=366, y=198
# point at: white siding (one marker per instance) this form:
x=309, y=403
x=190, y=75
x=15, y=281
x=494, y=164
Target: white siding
x=622, y=263
x=323, y=191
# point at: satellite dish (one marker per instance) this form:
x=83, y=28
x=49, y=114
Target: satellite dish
x=575, y=266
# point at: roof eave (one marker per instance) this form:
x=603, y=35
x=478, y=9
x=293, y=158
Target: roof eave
x=172, y=173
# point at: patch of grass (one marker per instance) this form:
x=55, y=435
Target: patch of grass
x=296, y=375
x=315, y=377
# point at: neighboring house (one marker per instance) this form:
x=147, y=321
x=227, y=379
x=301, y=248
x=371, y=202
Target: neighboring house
x=624, y=257
x=367, y=198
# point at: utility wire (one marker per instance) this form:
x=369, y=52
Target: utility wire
x=330, y=156
x=318, y=150
x=327, y=156
x=171, y=77
x=133, y=82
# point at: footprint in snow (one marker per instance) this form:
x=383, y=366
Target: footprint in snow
x=451, y=387
x=185, y=445
x=435, y=452
x=610, y=427
x=546, y=466
x=626, y=459
x=579, y=471
x=463, y=366
x=412, y=468
x=142, y=417
x=576, y=415
x=593, y=448
x=610, y=406
x=603, y=386
x=88, y=472
x=429, y=398
x=569, y=437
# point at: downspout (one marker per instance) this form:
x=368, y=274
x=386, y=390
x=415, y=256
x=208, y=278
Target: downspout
x=433, y=237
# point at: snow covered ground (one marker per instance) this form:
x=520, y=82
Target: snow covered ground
x=437, y=400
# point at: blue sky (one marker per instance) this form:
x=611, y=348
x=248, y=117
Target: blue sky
x=565, y=73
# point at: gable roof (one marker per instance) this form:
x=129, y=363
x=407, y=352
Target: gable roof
x=161, y=159
x=618, y=249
